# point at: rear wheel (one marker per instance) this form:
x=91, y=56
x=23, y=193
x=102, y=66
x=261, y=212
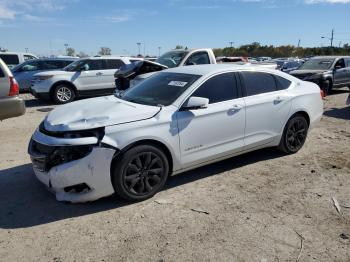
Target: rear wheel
x=140, y=173
x=294, y=135
x=63, y=94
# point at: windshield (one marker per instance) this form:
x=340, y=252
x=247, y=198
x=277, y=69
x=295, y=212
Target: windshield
x=172, y=58
x=162, y=89
x=317, y=64
x=75, y=66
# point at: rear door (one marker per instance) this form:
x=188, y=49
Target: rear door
x=110, y=67
x=267, y=107
x=340, y=73
x=347, y=75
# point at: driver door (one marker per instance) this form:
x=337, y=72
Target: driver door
x=218, y=130
x=340, y=73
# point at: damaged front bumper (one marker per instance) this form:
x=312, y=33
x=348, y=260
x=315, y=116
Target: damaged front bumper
x=76, y=167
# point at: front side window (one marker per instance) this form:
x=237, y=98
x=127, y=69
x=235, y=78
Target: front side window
x=258, y=83
x=219, y=88
x=160, y=89
x=85, y=64
x=340, y=63
x=199, y=58
x=2, y=73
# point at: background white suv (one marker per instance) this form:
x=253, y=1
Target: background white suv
x=85, y=77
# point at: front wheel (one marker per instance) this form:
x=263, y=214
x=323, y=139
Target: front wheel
x=63, y=94
x=294, y=135
x=327, y=87
x=140, y=173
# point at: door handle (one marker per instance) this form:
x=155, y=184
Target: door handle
x=237, y=107
x=278, y=100
x=99, y=74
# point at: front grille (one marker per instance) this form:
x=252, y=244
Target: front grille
x=45, y=157
x=96, y=132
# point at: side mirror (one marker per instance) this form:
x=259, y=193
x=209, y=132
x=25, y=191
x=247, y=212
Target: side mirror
x=194, y=103
x=337, y=67
x=189, y=63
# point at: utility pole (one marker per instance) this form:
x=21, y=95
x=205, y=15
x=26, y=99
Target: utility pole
x=332, y=38
x=159, y=47
x=66, y=46
x=298, y=43
x=231, y=44
x=139, y=46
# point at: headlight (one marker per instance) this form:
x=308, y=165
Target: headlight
x=44, y=77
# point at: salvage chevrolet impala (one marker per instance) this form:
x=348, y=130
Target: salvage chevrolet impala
x=174, y=121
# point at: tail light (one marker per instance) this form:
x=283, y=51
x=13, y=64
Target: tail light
x=14, y=87
x=322, y=94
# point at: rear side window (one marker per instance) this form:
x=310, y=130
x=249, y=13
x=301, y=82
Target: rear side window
x=10, y=59
x=282, y=83
x=218, y=88
x=199, y=58
x=1, y=73
x=52, y=64
x=258, y=83
x=95, y=64
x=113, y=63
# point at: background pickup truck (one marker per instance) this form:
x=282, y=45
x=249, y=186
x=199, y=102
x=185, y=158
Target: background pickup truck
x=132, y=74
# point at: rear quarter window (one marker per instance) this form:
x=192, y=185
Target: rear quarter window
x=2, y=73
x=282, y=83
x=10, y=59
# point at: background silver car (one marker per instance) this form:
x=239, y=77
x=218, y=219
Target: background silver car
x=25, y=71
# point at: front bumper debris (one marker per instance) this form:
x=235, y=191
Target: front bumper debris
x=75, y=169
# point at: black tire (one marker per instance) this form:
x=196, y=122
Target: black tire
x=294, y=134
x=63, y=94
x=140, y=173
x=327, y=87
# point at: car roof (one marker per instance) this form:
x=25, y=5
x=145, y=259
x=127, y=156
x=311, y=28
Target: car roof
x=329, y=57
x=217, y=68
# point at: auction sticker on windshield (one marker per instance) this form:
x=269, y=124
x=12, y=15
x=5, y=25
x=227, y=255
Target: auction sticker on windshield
x=177, y=83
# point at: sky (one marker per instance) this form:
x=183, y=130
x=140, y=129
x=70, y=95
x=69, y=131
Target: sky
x=45, y=26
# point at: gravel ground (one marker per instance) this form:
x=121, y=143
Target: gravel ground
x=262, y=206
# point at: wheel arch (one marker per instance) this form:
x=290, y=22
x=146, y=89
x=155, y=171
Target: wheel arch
x=63, y=82
x=151, y=142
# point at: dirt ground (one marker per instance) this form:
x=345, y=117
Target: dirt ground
x=253, y=207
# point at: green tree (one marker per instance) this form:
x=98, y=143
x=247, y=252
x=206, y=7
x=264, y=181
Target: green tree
x=70, y=51
x=105, y=51
x=179, y=47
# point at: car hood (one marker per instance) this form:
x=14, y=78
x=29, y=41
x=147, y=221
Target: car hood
x=307, y=72
x=97, y=112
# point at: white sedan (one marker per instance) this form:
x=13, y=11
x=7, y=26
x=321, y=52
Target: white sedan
x=174, y=121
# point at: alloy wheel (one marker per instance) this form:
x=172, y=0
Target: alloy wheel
x=296, y=134
x=64, y=94
x=143, y=173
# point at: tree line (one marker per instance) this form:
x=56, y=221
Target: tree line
x=256, y=50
